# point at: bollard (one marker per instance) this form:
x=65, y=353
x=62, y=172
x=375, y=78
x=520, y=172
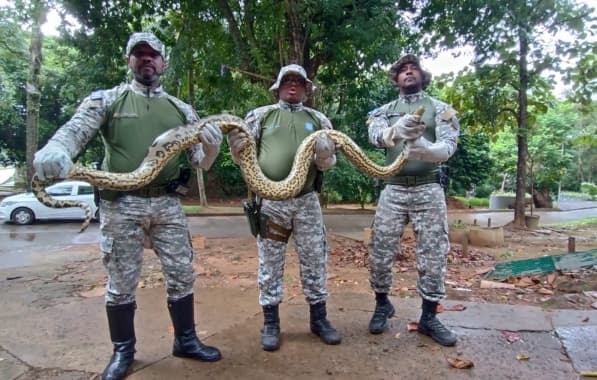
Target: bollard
x=571, y=244
x=488, y=222
x=464, y=244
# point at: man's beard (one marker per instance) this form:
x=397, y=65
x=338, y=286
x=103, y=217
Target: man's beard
x=147, y=79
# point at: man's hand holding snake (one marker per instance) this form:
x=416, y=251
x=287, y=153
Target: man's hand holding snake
x=325, y=153
x=237, y=139
x=211, y=138
x=408, y=127
x=52, y=162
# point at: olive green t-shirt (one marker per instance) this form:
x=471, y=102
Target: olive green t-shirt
x=133, y=122
x=413, y=168
x=282, y=132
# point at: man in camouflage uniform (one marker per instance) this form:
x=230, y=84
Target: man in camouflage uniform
x=129, y=117
x=414, y=195
x=279, y=129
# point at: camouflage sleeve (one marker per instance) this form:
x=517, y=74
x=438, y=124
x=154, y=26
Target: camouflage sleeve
x=76, y=133
x=324, y=122
x=377, y=121
x=254, y=118
x=447, y=128
x=196, y=153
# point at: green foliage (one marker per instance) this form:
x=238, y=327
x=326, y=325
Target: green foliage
x=590, y=189
x=345, y=181
x=474, y=202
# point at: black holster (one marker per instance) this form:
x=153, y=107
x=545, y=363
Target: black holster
x=252, y=209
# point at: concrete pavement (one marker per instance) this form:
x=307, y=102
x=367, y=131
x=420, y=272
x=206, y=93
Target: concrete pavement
x=49, y=333
x=69, y=340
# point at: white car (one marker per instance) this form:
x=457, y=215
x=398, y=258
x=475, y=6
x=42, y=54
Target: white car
x=25, y=208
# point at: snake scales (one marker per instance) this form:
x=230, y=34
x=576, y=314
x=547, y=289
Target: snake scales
x=172, y=142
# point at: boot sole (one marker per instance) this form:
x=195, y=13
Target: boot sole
x=270, y=348
x=385, y=326
x=195, y=357
x=443, y=343
x=331, y=342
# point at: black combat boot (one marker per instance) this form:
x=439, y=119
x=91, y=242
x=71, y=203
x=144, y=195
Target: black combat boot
x=122, y=332
x=270, y=335
x=186, y=343
x=321, y=327
x=431, y=326
x=383, y=311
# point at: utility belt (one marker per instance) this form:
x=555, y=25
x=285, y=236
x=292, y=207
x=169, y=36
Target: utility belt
x=413, y=180
x=144, y=192
x=177, y=186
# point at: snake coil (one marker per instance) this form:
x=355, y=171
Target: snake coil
x=172, y=142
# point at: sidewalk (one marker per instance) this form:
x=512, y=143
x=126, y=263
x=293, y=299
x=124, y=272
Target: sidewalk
x=69, y=340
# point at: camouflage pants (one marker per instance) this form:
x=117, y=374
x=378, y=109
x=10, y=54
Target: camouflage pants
x=124, y=225
x=425, y=207
x=303, y=215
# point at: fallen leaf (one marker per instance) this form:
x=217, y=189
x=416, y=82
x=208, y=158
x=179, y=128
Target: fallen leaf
x=485, y=284
x=545, y=291
x=458, y=307
x=460, y=363
x=524, y=282
x=412, y=326
x=522, y=357
x=484, y=270
x=511, y=336
x=397, y=335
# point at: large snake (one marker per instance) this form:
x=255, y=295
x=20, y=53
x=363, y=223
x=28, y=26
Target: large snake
x=172, y=142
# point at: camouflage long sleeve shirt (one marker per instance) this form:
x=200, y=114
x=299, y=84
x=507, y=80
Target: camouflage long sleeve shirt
x=75, y=134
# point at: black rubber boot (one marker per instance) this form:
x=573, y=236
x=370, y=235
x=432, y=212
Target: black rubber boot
x=270, y=335
x=122, y=332
x=321, y=327
x=383, y=311
x=186, y=343
x=431, y=326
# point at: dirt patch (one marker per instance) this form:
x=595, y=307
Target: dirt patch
x=232, y=263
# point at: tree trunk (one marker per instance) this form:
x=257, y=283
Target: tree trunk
x=522, y=133
x=38, y=17
x=542, y=199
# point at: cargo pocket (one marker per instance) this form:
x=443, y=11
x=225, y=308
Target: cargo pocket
x=106, y=246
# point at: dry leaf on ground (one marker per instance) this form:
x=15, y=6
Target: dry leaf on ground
x=460, y=363
x=485, y=284
x=459, y=307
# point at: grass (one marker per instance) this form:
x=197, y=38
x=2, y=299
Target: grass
x=587, y=222
x=473, y=202
x=191, y=209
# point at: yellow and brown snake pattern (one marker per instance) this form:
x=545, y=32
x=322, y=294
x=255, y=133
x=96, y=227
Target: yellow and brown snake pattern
x=172, y=142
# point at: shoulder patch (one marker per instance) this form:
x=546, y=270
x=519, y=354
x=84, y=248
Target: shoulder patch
x=448, y=114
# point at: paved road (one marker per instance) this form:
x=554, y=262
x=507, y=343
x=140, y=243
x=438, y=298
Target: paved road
x=23, y=245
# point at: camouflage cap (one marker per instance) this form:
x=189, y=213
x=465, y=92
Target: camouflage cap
x=293, y=69
x=408, y=58
x=145, y=38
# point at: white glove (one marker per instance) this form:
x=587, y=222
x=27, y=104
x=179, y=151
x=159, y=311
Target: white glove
x=52, y=161
x=408, y=127
x=325, y=152
x=210, y=134
x=422, y=149
x=237, y=139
